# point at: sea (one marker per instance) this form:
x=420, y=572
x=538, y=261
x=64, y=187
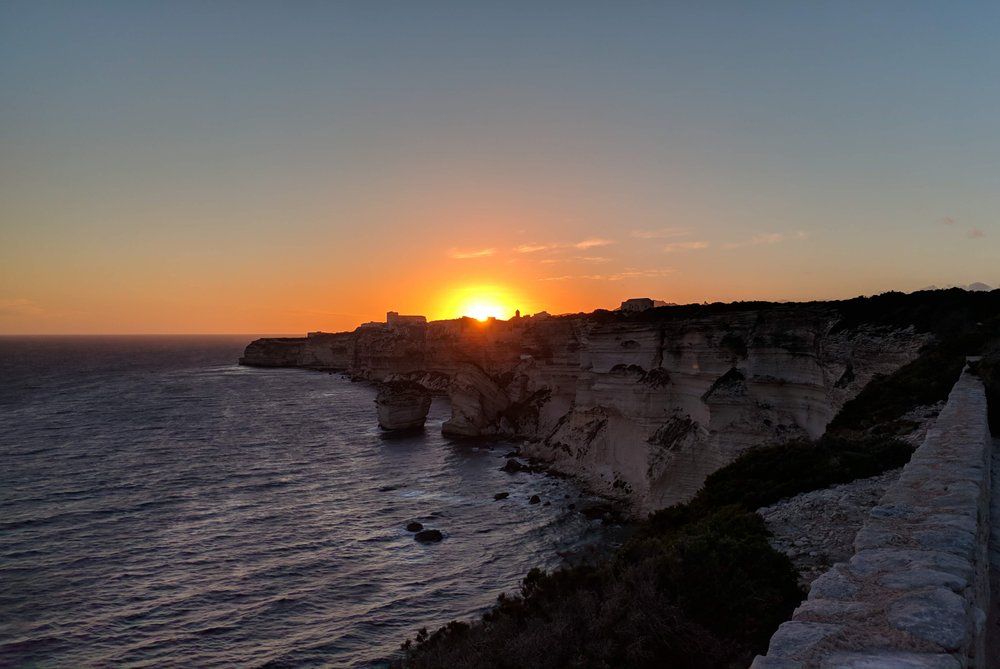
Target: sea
x=161, y=506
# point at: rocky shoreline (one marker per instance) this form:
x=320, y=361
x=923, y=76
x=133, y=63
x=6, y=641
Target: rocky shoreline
x=610, y=511
x=640, y=407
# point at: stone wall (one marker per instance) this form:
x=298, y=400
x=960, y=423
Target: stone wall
x=916, y=592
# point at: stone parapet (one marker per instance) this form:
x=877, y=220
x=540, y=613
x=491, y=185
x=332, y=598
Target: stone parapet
x=916, y=592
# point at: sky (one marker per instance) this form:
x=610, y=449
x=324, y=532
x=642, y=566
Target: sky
x=252, y=167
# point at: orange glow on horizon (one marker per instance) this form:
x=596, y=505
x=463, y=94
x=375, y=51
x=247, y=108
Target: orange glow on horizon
x=482, y=311
x=479, y=302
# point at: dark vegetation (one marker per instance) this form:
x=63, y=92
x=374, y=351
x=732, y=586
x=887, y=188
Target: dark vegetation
x=962, y=323
x=698, y=586
x=941, y=312
x=949, y=314
x=704, y=594
x=765, y=475
x=926, y=380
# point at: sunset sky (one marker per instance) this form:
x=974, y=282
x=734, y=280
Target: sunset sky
x=243, y=167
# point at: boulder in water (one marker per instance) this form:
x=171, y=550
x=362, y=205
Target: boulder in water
x=513, y=466
x=428, y=536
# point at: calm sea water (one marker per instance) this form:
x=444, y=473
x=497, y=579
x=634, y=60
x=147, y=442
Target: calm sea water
x=161, y=506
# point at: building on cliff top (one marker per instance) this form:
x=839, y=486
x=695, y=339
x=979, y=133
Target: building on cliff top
x=636, y=304
x=393, y=318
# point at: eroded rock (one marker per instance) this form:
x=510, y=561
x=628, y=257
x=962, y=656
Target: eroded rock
x=477, y=403
x=640, y=409
x=402, y=405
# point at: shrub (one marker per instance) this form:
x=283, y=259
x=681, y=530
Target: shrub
x=697, y=587
x=579, y=618
x=926, y=380
x=721, y=571
x=765, y=475
x=709, y=595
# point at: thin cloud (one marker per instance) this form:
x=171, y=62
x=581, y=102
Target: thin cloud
x=616, y=276
x=564, y=259
x=661, y=233
x=583, y=245
x=948, y=220
x=591, y=243
x=639, y=274
x=463, y=254
x=534, y=248
x=685, y=246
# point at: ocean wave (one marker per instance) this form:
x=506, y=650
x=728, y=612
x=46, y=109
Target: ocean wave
x=163, y=507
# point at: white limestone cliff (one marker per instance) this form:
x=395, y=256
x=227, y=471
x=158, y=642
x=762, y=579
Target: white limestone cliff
x=643, y=407
x=655, y=408
x=477, y=403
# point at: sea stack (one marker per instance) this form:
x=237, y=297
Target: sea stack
x=402, y=405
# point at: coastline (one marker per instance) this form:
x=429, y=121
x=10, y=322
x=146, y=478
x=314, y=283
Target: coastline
x=579, y=391
x=642, y=407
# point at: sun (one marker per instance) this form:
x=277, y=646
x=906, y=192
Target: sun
x=483, y=310
x=481, y=302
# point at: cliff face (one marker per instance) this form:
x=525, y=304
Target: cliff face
x=642, y=408
x=656, y=407
x=320, y=350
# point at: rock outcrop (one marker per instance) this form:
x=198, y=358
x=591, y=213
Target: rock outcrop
x=402, y=405
x=477, y=403
x=641, y=407
x=318, y=350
